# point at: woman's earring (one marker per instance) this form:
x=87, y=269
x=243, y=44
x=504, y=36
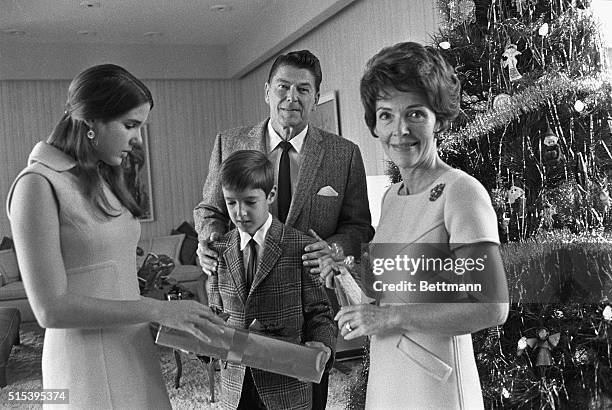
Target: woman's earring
x=92, y=136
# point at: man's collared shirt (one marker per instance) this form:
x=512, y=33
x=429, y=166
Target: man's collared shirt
x=295, y=157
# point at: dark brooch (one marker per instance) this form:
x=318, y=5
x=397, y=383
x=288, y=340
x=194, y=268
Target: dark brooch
x=436, y=192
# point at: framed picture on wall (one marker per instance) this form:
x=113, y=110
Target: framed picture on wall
x=326, y=114
x=137, y=168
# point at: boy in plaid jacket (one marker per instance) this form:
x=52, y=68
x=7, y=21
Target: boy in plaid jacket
x=276, y=289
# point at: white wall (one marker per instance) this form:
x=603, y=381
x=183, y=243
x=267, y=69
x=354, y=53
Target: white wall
x=27, y=61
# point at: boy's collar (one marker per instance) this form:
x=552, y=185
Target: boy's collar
x=260, y=234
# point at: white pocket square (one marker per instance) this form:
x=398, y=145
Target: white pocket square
x=327, y=191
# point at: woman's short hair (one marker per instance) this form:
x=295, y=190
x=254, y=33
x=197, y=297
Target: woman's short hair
x=247, y=169
x=411, y=67
x=299, y=59
x=102, y=92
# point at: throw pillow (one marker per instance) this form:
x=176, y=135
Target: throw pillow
x=9, y=269
x=190, y=244
x=7, y=243
x=167, y=245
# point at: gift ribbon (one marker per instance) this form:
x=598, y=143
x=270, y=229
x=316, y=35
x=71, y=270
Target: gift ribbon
x=237, y=347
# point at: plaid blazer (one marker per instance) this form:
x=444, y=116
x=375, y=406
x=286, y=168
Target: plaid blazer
x=283, y=295
x=326, y=160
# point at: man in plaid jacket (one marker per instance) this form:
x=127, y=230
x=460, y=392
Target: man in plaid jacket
x=279, y=293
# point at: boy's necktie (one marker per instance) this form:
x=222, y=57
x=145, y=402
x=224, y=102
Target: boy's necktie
x=251, y=263
x=284, y=182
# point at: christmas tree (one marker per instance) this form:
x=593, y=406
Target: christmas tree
x=535, y=130
x=537, y=111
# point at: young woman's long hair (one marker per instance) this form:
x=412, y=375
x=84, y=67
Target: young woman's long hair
x=102, y=92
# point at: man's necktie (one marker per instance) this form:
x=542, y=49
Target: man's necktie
x=251, y=263
x=284, y=182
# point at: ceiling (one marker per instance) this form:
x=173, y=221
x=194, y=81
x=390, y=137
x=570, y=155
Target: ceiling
x=190, y=22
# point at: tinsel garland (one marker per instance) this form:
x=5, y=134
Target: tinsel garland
x=553, y=87
x=580, y=372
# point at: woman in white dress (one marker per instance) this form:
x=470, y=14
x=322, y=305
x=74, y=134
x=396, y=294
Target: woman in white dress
x=75, y=229
x=421, y=354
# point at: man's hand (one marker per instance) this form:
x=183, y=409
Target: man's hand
x=315, y=251
x=206, y=256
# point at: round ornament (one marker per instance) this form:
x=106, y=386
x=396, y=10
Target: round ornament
x=579, y=106
x=501, y=101
x=543, y=31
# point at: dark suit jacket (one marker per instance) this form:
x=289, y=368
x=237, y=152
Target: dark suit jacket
x=327, y=159
x=285, y=296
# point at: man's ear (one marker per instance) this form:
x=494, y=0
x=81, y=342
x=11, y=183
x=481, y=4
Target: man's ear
x=266, y=91
x=316, y=100
x=89, y=123
x=271, y=196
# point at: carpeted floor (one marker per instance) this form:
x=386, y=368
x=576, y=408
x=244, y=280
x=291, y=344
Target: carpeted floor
x=23, y=373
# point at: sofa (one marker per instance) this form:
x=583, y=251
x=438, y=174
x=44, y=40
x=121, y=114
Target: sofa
x=179, y=246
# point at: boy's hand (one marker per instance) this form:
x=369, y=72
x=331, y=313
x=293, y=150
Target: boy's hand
x=322, y=346
x=206, y=256
x=315, y=251
x=327, y=270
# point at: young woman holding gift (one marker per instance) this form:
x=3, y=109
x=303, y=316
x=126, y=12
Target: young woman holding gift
x=75, y=231
x=421, y=353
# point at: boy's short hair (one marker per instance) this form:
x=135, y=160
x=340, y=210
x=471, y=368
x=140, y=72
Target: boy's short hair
x=247, y=169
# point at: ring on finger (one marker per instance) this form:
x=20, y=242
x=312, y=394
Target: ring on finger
x=348, y=327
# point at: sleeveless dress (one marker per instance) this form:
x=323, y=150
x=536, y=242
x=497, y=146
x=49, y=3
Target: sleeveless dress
x=108, y=367
x=410, y=370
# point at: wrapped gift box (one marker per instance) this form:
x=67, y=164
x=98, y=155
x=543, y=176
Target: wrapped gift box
x=253, y=350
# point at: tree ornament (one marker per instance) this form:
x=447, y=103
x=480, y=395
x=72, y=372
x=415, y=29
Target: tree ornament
x=521, y=345
x=543, y=31
x=542, y=345
x=510, y=61
x=579, y=106
x=548, y=213
x=607, y=313
x=545, y=344
x=582, y=356
x=505, y=223
x=445, y=45
x=501, y=101
x=460, y=12
x=552, y=154
x=505, y=393
x=515, y=193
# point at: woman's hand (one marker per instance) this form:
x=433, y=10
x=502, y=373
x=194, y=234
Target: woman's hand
x=363, y=320
x=191, y=316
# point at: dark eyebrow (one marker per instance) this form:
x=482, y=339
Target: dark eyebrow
x=302, y=84
x=409, y=107
x=245, y=198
